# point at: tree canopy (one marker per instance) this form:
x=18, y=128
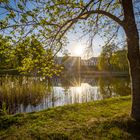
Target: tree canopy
x=113, y=59
x=50, y=21
x=28, y=57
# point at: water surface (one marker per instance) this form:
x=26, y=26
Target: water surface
x=27, y=94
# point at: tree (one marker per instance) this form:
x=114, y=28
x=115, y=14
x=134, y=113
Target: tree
x=6, y=53
x=53, y=18
x=106, y=56
x=21, y=51
x=113, y=59
x=32, y=58
x=119, y=60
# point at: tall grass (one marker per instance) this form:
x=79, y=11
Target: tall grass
x=17, y=90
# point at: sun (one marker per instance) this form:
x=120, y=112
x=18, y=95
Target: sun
x=78, y=50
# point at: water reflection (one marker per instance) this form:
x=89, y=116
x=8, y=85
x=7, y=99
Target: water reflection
x=83, y=93
x=27, y=94
x=17, y=92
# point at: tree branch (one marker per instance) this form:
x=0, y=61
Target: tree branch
x=85, y=15
x=113, y=17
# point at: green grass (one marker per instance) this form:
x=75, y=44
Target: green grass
x=100, y=120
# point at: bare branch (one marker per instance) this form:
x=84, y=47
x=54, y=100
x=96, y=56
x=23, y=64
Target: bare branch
x=113, y=17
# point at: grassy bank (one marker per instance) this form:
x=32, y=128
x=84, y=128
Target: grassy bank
x=100, y=120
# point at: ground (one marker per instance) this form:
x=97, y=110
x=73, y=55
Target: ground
x=100, y=120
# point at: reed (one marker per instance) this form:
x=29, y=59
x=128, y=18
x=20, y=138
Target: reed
x=17, y=90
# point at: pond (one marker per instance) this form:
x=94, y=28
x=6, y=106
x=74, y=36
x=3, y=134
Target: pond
x=28, y=94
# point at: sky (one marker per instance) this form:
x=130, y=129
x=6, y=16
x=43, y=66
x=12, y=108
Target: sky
x=77, y=46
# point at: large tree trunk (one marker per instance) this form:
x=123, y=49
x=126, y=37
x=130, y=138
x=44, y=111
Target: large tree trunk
x=134, y=62
x=133, y=55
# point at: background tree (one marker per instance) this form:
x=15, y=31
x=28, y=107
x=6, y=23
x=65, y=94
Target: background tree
x=21, y=51
x=51, y=19
x=28, y=57
x=106, y=56
x=119, y=60
x=6, y=53
x=34, y=59
x=113, y=59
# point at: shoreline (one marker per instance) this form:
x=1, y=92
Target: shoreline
x=107, y=119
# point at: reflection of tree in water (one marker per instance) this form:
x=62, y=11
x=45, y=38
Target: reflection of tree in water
x=105, y=88
x=113, y=86
x=65, y=83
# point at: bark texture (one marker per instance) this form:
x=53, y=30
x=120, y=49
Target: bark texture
x=132, y=35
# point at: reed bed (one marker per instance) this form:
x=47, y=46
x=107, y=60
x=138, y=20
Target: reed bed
x=17, y=90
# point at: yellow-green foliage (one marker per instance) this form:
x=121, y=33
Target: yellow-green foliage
x=34, y=59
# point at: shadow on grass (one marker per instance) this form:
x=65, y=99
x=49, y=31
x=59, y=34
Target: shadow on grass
x=133, y=127
x=118, y=128
x=8, y=121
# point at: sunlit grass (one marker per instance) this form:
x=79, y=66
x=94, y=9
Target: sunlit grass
x=101, y=120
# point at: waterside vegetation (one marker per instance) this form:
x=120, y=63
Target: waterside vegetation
x=107, y=119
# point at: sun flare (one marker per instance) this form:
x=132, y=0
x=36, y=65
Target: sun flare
x=78, y=50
